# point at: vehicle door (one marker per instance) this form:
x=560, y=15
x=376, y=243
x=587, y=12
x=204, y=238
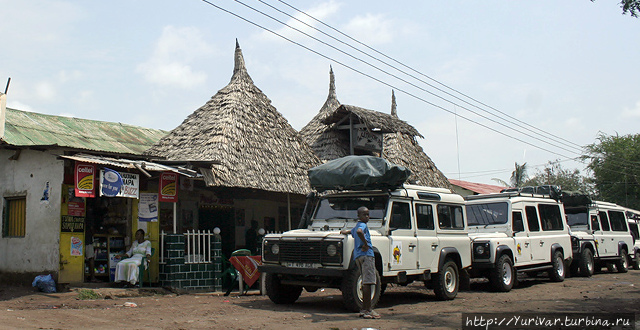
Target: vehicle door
x=427, y=239
x=403, y=242
x=552, y=222
x=521, y=239
x=538, y=254
x=619, y=230
x=604, y=237
x=451, y=230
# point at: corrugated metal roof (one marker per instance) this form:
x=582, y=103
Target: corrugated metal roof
x=140, y=165
x=25, y=129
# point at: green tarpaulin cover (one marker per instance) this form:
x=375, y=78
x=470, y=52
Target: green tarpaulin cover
x=357, y=173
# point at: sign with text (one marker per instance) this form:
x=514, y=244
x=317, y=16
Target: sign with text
x=168, y=187
x=130, y=185
x=84, y=175
x=369, y=140
x=110, y=182
x=148, y=207
x=71, y=224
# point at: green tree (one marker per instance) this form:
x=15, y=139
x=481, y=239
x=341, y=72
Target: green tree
x=518, y=177
x=629, y=6
x=568, y=180
x=615, y=163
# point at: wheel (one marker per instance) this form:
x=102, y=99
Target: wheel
x=557, y=274
x=636, y=263
x=623, y=263
x=280, y=293
x=352, y=290
x=586, y=263
x=502, y=276
x=446, y=281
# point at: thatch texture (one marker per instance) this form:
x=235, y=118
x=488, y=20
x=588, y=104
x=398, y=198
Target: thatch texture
x=403, y=149
x=327, y=143
x=374, y=120
x=255, y=145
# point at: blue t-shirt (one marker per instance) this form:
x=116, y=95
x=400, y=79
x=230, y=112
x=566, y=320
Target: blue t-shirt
x=357, y=248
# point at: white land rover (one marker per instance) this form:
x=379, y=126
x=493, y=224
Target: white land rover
x=514, y=232
x=418, y=234
x=633, y=217
x=600, y=235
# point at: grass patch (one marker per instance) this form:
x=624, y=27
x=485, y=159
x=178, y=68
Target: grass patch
x=88, y=294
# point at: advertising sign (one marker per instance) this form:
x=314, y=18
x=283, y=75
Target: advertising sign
x=84, y=175
x=148, y=207
x=130, y=185
x=110, y=182
x=168, y=187
x=369, y=140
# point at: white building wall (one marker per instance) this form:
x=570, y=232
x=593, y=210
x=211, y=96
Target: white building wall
x=38, y=251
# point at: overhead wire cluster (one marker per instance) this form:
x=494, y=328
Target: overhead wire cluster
x=401, y=77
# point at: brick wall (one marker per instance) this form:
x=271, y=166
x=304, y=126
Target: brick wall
x=197, y=277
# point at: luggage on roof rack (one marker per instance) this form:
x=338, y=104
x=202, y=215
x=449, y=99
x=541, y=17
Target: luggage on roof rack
x=574, y=198
x=357, y=173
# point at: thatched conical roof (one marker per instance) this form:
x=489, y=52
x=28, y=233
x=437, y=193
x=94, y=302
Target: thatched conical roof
x=238, y=127
x=403, y=149
x=327, y=143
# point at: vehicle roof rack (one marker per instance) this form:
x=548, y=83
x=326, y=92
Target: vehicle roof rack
x=545, y=191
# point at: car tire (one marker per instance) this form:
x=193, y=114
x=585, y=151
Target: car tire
x=587, y=263
x=352, y=290
x=636, y=263
x=503, y=275
x=447, y=281
x=558, y=272
x=280, y=293
x=623, y=264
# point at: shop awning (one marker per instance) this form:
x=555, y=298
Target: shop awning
x=141, y=165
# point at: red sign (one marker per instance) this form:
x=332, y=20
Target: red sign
x=84, y=180
x=248, y=267
x=168, y=187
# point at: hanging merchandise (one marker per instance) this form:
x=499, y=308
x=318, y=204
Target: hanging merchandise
x=110, y=182
x=84, y=176
x=168, y=187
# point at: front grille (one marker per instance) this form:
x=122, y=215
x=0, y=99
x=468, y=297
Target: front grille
x=312, y=252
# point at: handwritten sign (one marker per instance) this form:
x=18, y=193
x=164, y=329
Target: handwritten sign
x=71, y=224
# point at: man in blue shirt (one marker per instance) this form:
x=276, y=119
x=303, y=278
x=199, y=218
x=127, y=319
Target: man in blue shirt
x=363, y=255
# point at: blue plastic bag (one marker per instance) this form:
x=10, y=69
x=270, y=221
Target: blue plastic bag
x=44, y=283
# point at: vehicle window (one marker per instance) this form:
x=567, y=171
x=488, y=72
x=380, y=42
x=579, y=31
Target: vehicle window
x=347, y=207
x=594, y=223
x=487, y=214
x=577, y=217
x=450, y=217
x=424, y=216
x=400, y=216
x=604, y=220
x=532, y=218
x=550, y=217
x=618, y=221
x=518, y=222
x=634, y=230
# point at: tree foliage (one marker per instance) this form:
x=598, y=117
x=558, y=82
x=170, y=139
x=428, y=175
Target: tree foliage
x=568, y=180
x=518, y=177
x=629, y=6
x=615, y=163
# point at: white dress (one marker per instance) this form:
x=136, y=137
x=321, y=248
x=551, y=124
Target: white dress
x=127, y=269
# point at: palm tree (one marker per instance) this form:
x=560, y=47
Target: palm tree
x=518, y=177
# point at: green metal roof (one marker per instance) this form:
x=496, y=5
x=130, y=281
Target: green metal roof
x=28, y=129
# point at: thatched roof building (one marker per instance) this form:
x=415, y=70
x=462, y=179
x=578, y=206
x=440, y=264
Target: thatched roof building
x=255, y=145
x=402, y=148
x=327, y=144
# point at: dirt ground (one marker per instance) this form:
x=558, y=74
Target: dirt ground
x=411, y=307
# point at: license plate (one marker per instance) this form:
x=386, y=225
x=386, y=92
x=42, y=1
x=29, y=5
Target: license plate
x=301, y=265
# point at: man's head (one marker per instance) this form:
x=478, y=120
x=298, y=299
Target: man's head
x=363, y=214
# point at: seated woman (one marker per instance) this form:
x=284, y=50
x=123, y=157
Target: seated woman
x=127, y=269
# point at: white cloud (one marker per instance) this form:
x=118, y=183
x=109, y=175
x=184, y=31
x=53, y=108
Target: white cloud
x=19, y=106
x=170, y=63
x=45, y=91
x=633, y=113
x=371, y=29
x=65, y=76
x=320, y=12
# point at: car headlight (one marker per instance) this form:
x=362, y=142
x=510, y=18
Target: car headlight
x=275, y=248
x=480, y=250
x=332, y=250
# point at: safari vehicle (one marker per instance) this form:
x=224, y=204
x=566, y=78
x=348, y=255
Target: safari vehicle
x=600, y=235
x=515, y=232
x=633, y=218
x=418, y=234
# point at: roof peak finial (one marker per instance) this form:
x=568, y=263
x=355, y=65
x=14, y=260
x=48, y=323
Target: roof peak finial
x=394, y=111
x=332, y=83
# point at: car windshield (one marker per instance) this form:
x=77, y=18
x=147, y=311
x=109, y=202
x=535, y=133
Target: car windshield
x=487, y=214
x=577, y=217
x=343, y=208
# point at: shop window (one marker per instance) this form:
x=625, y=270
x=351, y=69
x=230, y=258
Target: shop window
x=15, y=217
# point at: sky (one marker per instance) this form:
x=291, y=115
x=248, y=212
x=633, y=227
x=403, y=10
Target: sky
x=559, y=72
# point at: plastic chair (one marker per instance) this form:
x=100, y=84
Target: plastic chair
x=142, y=270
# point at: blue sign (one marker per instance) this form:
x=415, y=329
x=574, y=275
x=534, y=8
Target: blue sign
x=110, y=182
